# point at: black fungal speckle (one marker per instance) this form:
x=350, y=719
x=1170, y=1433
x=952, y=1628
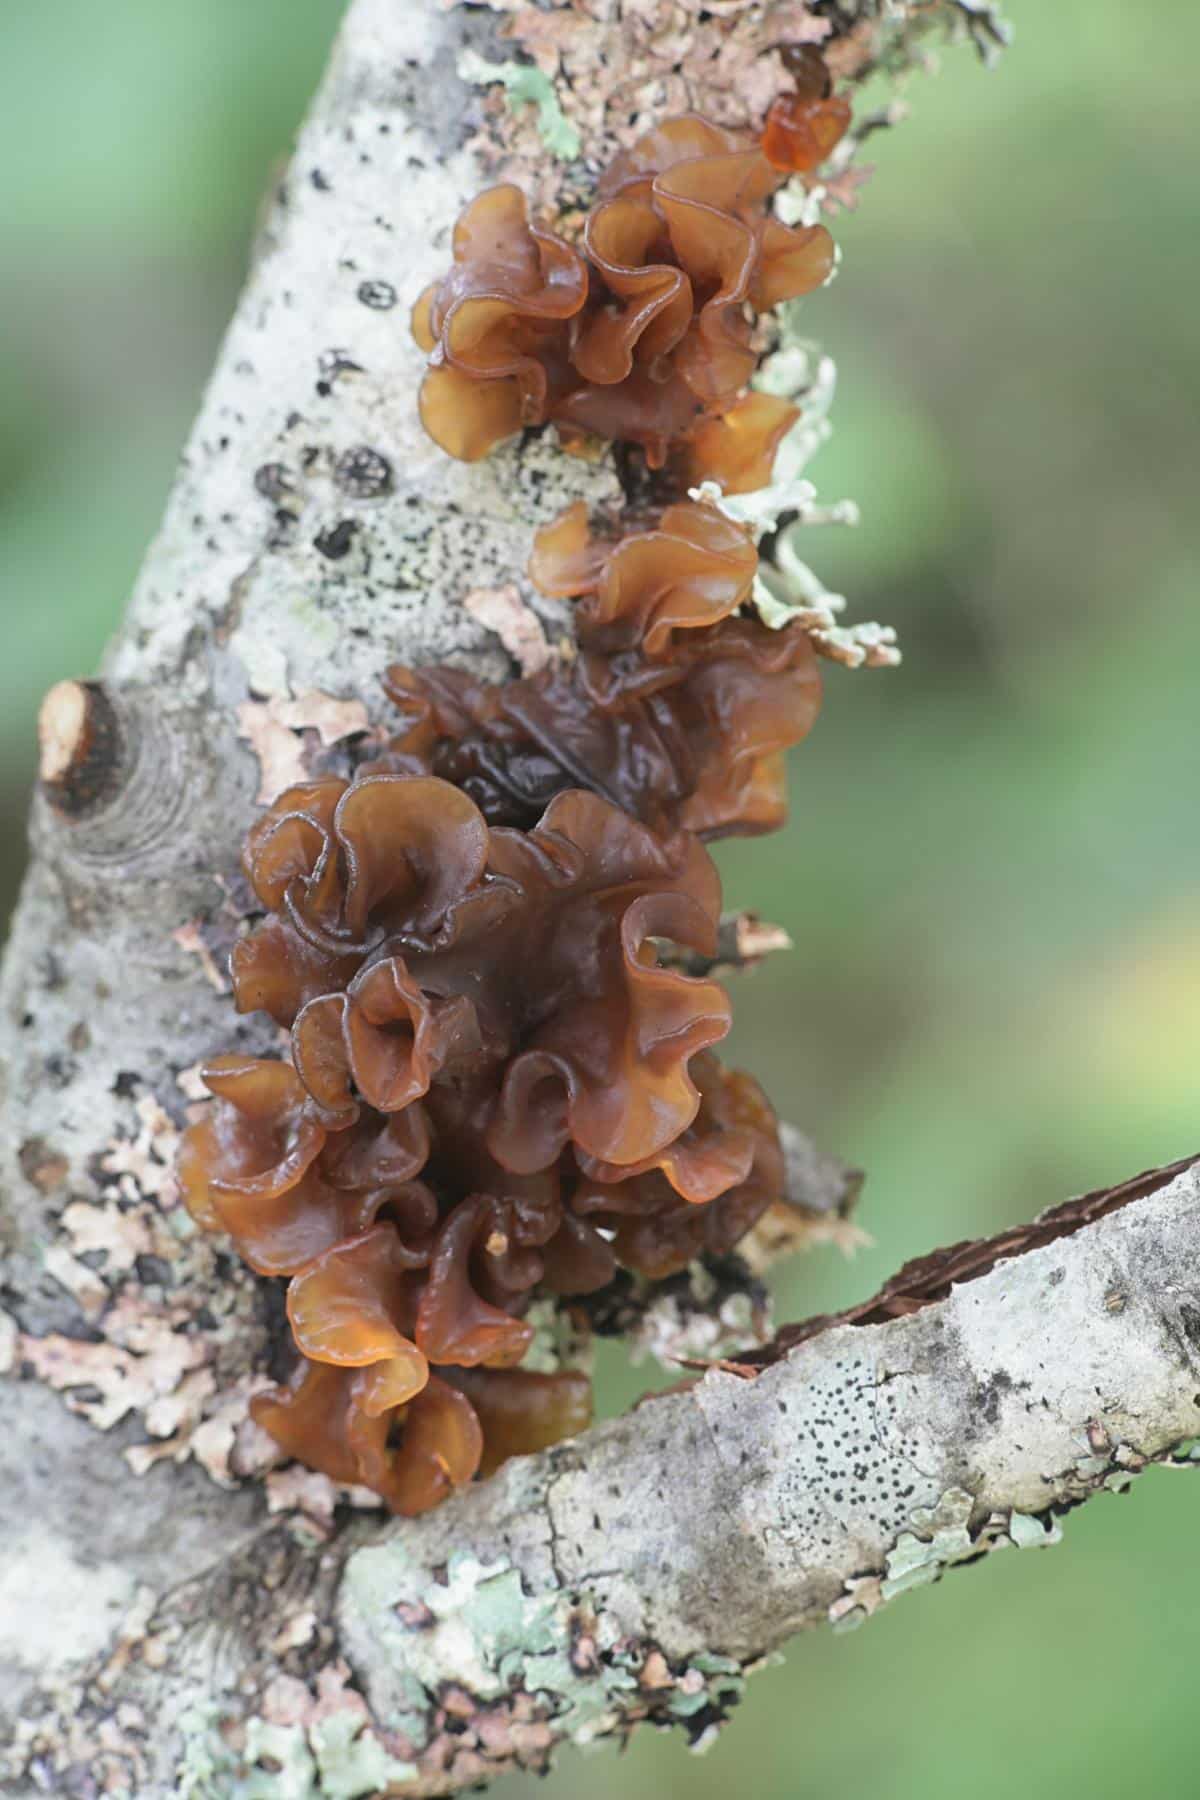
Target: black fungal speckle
x=332, y=363
x=380, y=295
x=273, y=481
x=989, y=1394
x=363, y=473
x=335, y=542
x=153, y=1271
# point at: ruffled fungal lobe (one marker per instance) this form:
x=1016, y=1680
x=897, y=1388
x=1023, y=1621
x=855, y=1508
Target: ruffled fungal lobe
x=640, y=335
x=494, y=326
x=701, y=1197
x=498, y=1040
x=802, y=128
x=678, y=708
x=737, y=450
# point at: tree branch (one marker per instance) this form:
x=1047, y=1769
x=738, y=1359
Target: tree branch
x=165, y=1630
x=643, y=1571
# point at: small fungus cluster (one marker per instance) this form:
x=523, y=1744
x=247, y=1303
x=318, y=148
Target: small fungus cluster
x=502, y=1087
x=644, y=333
x=805, y=126
x=677, y=708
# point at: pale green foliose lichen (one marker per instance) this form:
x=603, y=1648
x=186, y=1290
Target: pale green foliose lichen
x=351, y=1761
x=526, y=85
x=274, y=1764
x=557, y=1343
x=786, y=587
x=336, y=1758
x=1028, y=1532
x=478, y=1629
x=941, y=1537
x=478, y=1619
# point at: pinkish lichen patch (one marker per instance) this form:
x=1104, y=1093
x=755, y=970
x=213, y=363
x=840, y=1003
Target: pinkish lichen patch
x=618, y=67
x=284, y=734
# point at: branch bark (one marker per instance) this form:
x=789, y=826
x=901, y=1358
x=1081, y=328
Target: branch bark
x=162, y=1629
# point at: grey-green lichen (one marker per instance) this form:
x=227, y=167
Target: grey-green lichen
x=474, y=1630
x=988, y=29
x=350, y=1759
x=337, y=1757
x=557, y=1343
x=526, y=85
x=786, y=588
x=467, y=1629
x=941, y=1536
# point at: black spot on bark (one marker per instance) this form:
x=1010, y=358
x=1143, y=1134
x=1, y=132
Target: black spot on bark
x=989, y=1394
x=274, y=481
x=336, y=541
x=379, y=295
x=333, y=363
x=363, y=473
x=153, y=1271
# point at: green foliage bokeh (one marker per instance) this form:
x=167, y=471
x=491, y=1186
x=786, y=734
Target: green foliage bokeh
x=992, y=871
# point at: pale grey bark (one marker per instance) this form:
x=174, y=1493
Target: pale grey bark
x=163, y=1633
x=712, y=1524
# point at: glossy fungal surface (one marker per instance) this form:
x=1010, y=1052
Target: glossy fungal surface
x=497, y=1090
x=642, y=331
x=678, y=707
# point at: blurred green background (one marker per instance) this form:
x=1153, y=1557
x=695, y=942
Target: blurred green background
x=992, y=872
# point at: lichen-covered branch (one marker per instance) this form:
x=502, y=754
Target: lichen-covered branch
x=179, y=1613
x=599, y=1584
x=641, y=1573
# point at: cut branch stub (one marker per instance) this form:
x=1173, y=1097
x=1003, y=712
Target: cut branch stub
x=81, y=748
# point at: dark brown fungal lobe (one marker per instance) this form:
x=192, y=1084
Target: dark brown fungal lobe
x=641, y=333
x=677, y=707
x=498, y=1090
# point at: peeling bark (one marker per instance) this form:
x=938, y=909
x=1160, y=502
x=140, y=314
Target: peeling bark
x=171, y=1622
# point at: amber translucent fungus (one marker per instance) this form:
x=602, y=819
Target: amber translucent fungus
x=494, y=326
x=803, y=127
x=340, y=867
x=414, y=1455
x=655, y=1229
x=692, y=568
x=259, y=1142
x=523, y=1410
x=501, y=1089
x=738, y=449
x=640, y=336
x=494, y=936
x=344, y=1305
x=677, y=709
x=455, y=1324
x=261, y=1167
x=384, y=1039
